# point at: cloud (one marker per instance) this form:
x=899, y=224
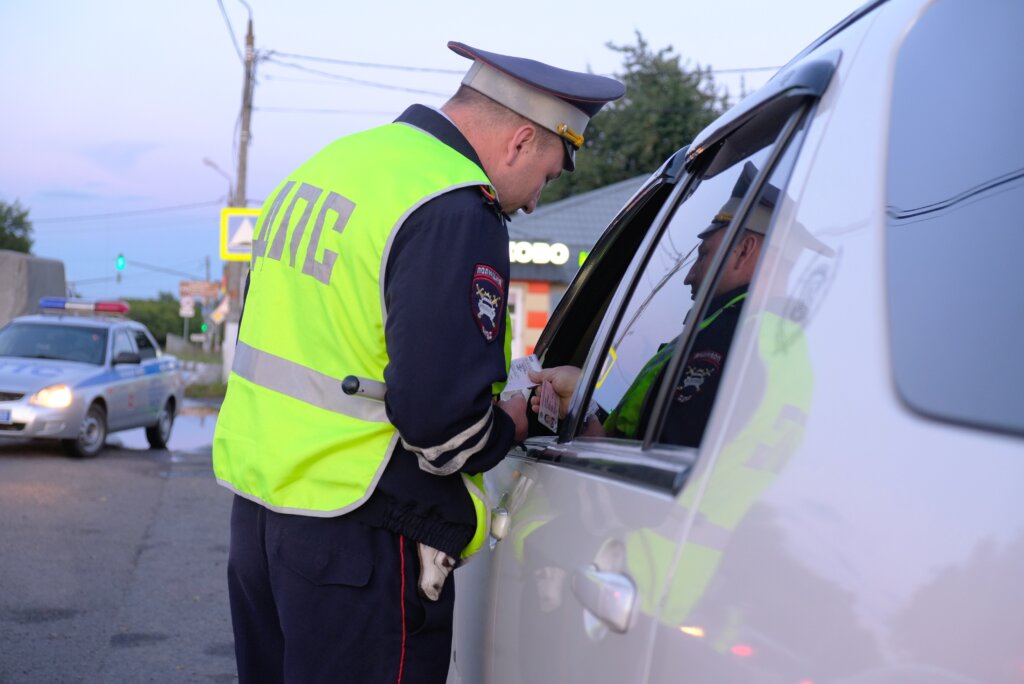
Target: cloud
x=119, y=156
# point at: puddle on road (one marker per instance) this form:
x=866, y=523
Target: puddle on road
x=193, y=429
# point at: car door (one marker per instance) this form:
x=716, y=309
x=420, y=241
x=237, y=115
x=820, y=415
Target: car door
x=156, y=385
x=583, y=575
x=125, y=391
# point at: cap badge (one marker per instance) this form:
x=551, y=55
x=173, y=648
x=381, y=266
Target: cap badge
x=572, y=136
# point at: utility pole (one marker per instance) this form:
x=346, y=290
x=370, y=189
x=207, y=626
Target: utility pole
x=243, y=142
x=236, y=271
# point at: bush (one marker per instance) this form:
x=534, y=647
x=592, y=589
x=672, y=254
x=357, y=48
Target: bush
x=213, y=390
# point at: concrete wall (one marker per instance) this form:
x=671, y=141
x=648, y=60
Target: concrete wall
x=24, y=279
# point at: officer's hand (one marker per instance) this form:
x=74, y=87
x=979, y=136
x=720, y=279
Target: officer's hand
x=563, y=380
x=516, y=410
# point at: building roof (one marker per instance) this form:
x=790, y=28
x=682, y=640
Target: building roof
x=576, y=222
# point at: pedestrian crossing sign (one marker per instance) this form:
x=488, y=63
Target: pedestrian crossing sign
x=236, y=228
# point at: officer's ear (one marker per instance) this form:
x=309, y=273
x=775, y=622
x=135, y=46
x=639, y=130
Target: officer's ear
x=748, y=248
x=522, y=139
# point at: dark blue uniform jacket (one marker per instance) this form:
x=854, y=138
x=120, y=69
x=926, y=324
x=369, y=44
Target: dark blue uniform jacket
x=443, y=355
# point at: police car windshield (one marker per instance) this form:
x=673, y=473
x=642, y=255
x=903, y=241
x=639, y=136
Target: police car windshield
x=60, y=342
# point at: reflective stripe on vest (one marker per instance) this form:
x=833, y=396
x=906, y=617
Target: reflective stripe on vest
x=287, y=436
x=305, y=384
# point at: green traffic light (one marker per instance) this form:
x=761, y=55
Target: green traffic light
x=120, y=262
x=203, y=327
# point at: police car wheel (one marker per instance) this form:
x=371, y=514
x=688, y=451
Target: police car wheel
x=91, y=434
x=160, y=433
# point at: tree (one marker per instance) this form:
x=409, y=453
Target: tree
x=665, y=106
x=160, y=315
x=15, y=228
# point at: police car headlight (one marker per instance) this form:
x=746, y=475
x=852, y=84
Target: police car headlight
x=54, y=396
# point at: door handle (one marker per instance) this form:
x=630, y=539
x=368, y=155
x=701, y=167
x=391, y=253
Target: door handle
x=608, y=596
x=500, y=522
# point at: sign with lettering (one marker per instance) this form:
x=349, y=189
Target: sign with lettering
x=522, y=252
x=200, y=289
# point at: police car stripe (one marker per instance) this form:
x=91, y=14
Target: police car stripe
x=302, y=383
x=429, y=456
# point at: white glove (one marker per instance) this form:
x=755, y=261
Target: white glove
x=435, y=566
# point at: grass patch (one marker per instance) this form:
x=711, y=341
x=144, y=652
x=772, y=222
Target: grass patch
x=198, y=355
x=213, y=390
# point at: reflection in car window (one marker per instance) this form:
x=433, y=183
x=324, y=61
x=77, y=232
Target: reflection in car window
x=657, y=311
x=693, y=395
x=660, y=306
x=146, y=348
x=59, y=342
x=122, y=344
x=955, y=191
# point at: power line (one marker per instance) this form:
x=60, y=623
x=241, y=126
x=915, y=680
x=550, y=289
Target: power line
x=372, y=84
x=371, y=65
x=231, y=31
x=309, y=110
x=458, y=72
x=119, y=214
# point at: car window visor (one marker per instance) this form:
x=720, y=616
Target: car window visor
x=804, y=80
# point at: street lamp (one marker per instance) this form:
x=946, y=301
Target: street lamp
x=231, y=190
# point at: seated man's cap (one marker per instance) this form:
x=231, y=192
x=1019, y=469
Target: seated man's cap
x=759, y=215
x=561, y=101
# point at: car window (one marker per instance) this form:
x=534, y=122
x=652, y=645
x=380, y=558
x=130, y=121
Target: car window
x=578, y=314
x=661, y=306
x=692, y=395
x=955, y=190
x=147, y=350
x=123, y=343
x=58, y=342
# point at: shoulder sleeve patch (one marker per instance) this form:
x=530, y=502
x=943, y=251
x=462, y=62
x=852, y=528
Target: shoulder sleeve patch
x=487, y=300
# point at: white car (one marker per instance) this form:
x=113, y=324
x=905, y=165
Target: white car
x=850, y=511
x=80, y=371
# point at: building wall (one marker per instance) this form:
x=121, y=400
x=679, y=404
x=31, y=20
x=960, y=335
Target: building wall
x=532, y=302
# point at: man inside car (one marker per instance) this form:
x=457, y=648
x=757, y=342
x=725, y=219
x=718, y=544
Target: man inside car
x=694, y=394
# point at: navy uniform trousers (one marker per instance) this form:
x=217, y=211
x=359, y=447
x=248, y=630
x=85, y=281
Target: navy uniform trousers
x=331, y=600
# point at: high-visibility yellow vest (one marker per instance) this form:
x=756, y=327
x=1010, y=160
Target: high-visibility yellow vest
x=745, y=467
x=287, y=436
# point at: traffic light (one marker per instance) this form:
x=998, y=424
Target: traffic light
x=120, y=262
x=202, y=328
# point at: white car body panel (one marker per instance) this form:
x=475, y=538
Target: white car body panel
x=881, y=546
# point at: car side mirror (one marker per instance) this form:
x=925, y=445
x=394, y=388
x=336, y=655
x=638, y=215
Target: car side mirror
x=127, y=357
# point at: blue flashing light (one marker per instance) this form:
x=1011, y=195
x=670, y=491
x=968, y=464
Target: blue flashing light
x=82, y=305
x=52, y=303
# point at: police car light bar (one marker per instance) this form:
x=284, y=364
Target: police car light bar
x=83, y=305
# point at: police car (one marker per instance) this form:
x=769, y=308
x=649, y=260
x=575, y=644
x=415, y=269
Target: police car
x=851, y=511
x=79, y=371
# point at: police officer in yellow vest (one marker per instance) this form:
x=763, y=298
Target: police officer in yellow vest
x=383, y=257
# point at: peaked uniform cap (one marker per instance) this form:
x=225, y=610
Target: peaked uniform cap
x=561, y=101
x=760, y=214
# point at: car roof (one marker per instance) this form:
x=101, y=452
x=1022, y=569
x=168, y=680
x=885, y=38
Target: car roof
x=78, y=320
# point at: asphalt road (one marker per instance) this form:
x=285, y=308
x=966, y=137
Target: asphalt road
x=112, y=569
